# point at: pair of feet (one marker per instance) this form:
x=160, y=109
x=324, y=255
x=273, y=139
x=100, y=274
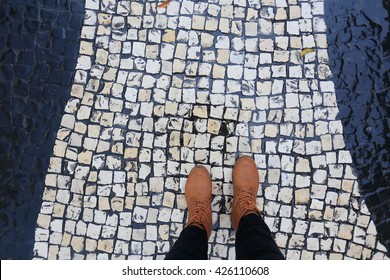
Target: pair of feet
x=198, y=194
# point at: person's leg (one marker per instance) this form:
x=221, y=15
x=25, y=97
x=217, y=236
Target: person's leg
x=253, y=237
x=192, y=242
x=191, y=245
x=254, y=240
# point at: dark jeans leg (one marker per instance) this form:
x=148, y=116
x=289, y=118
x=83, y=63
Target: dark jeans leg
x=254, y=240
x=191, y=245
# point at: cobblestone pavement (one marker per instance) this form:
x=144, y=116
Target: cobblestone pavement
x=158, y=90
x=363, y=97
x=39, y=43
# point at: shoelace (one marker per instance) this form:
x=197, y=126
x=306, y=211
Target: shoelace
x=246, y=202
x=200, y=212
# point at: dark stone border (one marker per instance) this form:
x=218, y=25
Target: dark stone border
x=359, y=51
x=39, y=43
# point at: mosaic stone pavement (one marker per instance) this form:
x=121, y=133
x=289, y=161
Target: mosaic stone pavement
x=160, y=90
x=39, y=45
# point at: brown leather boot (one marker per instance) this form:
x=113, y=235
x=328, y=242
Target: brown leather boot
x=246, y=185
x=198, y=196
